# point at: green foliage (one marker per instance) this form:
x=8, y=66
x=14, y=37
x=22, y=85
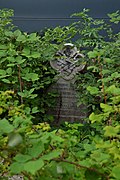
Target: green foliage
x=73, y=151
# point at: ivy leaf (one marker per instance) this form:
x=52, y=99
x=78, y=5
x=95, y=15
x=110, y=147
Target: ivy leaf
x=33, y=166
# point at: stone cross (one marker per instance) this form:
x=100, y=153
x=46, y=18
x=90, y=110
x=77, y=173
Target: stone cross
x=68, y=63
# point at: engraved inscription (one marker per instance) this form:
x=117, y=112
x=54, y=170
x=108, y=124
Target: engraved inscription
x=66, y=103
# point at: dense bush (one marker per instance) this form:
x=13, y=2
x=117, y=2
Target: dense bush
x=28, y=145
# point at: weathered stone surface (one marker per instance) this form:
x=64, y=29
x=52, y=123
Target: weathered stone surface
x=66, y=104
x=67, y=64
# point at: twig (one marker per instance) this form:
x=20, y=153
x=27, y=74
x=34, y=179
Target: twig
x=81, y=166
x=20, y=81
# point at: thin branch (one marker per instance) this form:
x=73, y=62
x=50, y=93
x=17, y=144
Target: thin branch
x=20, y=81
x=81, y=166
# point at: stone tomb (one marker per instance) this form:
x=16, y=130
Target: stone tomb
x=67, y=63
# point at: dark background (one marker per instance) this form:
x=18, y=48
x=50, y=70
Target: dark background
x=34, y=15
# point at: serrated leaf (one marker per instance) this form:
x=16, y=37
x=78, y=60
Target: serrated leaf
x=22, y=158
x=111, y=131
x=52, y=155
x=33, y=166
x=5, y=127
x=36, y=150
x=16, y=168
x=100, y=157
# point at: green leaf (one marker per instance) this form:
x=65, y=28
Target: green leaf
x=36, y=150
x=93, y=90
x=5, y=127
x=33, y=166
x=116, y=172
x=95, y=118
x=16, y=168
x=9, y=33
x=92, y=54
x=91, y=175
x=22, y=158
x=20, y=60
x=33, y=37
x=52, y=155
x=26, y=52
x=6, y=81
x=35, y=110
x=2, y=72
x=17, y=32
x=113, y=90
x=106, y=107
x=9, y=71
x=3, y=47
x=111, y=131
x=31, y=76
x=35, y=55
x=115, y=75
x=21, y=38
x=100, y=157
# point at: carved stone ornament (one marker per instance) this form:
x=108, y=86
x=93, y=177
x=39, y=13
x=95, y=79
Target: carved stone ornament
x=67, y=61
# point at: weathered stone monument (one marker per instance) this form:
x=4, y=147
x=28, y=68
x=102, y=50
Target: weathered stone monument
x=67, y=63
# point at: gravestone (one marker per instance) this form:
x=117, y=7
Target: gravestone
x=68, y=62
